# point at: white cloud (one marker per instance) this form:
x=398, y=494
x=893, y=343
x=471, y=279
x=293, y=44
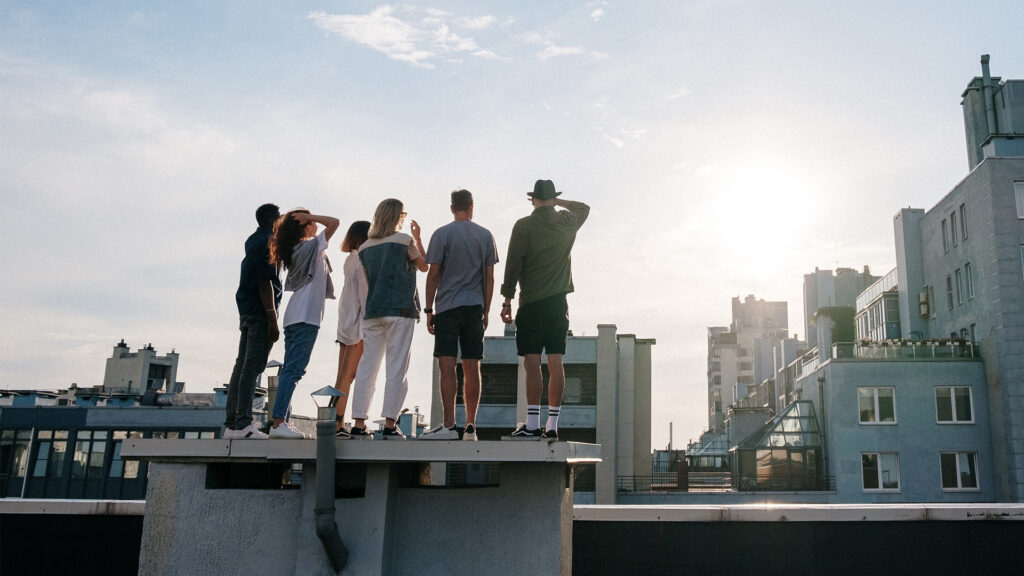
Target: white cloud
x=684, y=91
x=615, y=141
x=476, y=23
x=596, y=14
x=552, y=51
x=417, y=43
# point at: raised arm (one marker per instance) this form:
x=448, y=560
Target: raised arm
x=420, y=262
x=579, y=210
x=329, y=223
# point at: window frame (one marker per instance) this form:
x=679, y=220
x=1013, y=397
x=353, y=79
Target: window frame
x=959, y=287
x=959, y=485
x=952, y=229
x=876, y=407
x=949, y=291
x=952, y=405
x=945, y=236
x=970, y=281
x=879, y=469
x=1018, y=196
x=963, y=222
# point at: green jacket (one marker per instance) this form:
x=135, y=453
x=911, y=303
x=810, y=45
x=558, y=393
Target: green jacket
x=539, y=252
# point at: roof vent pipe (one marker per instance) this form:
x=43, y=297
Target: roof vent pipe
x=986, y=94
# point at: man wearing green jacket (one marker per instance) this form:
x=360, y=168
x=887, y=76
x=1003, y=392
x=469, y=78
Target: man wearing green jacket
x=539, y=260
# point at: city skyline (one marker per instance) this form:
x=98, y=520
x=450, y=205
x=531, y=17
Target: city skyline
x=726, y=149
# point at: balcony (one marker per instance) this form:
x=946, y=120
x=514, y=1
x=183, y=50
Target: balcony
x=915, y=350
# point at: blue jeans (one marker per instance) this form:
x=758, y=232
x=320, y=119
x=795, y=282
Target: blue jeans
x=298, y=346
x=253, y=350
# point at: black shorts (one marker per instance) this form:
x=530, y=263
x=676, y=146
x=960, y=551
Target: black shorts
x=461, y=327
x=542, y=326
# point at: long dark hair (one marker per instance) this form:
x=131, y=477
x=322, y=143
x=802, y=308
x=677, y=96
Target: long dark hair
x=287, y=235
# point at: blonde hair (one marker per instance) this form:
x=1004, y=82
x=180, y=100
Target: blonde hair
x=386, y=218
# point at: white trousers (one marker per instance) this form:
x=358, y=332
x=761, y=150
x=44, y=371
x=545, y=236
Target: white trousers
x=390, y=336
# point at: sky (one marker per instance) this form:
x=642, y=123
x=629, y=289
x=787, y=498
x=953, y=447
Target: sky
x=725, y=147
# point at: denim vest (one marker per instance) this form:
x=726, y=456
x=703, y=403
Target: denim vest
x=390, y=279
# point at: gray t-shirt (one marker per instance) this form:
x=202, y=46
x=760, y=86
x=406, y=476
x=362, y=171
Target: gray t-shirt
x=464, y=250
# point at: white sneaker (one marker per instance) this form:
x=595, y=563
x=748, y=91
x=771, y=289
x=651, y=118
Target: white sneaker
x=250, y=432
x=439, y=432
x=469, y=434
x=287, y=431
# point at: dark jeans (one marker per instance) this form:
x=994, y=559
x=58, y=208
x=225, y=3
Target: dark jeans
x=253, y=351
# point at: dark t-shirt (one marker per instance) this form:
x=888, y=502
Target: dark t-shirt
x=256, y=268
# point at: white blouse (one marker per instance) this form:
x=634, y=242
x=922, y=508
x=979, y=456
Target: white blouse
x=353, y=301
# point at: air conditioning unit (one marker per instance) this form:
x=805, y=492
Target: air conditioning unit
x=923, y=309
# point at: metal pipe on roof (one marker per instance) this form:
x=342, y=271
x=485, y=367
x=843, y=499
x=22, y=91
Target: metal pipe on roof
x=986, y=94
x=326, y=527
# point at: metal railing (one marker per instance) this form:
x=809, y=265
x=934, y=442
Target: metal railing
x=900, y=351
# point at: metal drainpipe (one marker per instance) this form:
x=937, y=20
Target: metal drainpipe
x=326, y=527
x=824, y=428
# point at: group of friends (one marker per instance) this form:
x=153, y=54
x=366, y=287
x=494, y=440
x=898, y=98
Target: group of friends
x=379, y=308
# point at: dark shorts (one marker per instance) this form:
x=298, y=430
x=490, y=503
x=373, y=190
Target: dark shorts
x=461, y=327
x=542, y=326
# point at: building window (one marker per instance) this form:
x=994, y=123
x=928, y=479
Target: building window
x=949, y=291
x=1018, y=194
x=970, y=280
x=963, y=221
x=952, y=228
x=53, y=446
x=90, y=451
x=746, y=366
x=880, y=471
x=945, y=236
x=959, y=470
x=959, y=287
x=876, y=405
x=953, y=404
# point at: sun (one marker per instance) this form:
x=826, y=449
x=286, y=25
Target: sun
x=761, y=207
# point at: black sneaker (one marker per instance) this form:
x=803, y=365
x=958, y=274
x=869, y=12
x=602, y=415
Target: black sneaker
x=523, y=433
x=392, y=434
x=550, y=435
x=360, y=433
x=343, y=433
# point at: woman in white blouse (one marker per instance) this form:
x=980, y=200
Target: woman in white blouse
x=350, y=318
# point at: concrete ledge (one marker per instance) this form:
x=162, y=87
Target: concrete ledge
x=73, y=507
x=801, y=513
x=359, y=451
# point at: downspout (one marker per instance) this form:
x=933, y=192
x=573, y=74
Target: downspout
x=326, y=527
x=986, y=94
x=824, y=428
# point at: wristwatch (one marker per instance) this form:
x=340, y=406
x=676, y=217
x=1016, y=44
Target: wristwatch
x=428, y=310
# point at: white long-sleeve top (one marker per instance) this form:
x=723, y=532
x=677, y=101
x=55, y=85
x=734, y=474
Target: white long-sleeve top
x=353, y=301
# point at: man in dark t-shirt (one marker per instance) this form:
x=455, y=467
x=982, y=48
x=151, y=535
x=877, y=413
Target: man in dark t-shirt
x=258, y=298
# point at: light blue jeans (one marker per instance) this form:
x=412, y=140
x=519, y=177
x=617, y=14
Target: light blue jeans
x=298, y=346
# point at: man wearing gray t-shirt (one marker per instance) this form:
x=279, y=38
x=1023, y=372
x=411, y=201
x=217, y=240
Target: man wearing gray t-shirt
x=460, y=282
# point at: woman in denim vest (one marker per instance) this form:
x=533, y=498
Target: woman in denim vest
x=390, y=260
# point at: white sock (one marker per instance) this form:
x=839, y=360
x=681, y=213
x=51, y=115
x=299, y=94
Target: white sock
x=532, y=416
x=552, y=418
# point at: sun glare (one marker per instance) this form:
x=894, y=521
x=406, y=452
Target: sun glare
x=761, y=208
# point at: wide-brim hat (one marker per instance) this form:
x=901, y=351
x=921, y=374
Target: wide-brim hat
x=543, y=190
